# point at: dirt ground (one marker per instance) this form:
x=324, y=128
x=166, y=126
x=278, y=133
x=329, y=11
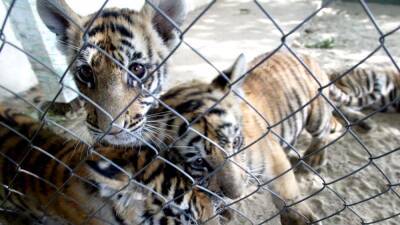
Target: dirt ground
x=339, y=36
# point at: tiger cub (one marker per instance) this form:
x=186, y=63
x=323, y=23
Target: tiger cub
x=368, y=88
x=219, y=140
x=49, y=177
x=100, y=48
x=285, y=93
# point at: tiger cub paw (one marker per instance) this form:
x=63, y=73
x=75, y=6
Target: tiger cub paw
x=317, y=160
x=296, y=216
x=365, y=126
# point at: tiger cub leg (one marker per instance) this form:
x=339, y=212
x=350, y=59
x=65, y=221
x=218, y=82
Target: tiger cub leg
x=315, y=156
x=319, y=125
x=357, y=118
x=286, y=187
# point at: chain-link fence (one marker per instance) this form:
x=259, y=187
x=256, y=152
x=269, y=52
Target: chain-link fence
x=148, y=181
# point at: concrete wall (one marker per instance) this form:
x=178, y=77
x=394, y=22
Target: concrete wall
x=16, y=72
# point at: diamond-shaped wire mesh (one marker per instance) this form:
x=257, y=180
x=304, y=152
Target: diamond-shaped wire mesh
x=56, y=176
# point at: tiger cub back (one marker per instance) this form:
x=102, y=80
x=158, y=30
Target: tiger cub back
x=290, y=98
x=49, y=177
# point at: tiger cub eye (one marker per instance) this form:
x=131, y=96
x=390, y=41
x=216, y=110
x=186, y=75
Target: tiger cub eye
x=138, y=69
x=84, y=74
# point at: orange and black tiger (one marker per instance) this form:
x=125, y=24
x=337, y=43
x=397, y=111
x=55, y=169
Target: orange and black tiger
x=219, y=140
x=375, y=88
x=117, y=61
x=289, y=96
x=370, y=88
x=46, y=176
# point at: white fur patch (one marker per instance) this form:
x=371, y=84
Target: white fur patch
x=104, y=165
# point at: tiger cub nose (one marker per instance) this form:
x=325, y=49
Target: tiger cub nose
x=117, y=128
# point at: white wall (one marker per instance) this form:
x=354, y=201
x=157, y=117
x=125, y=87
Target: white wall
x=86, y=7
x=195, y=4
x=16, y=72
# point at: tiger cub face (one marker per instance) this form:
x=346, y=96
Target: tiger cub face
x=117, y=39
x=209, y=148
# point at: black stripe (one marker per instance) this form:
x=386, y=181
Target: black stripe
x=282, y=139
x=369, y=81
x=383, y=101
x=110, y=171
x=114, y=28
x=136, y=55
x=205, y=140
x=392, y=95
x=117, y=56
x=58, y=151
x=106, y=13
x=146, y=103
x=373, y=97
x=158, y=88
x=224, y=125
x=196, y=93
x=166, y=185
x=9, y=168
x=127, y=43
x=123, y=31
x=24, y=183
x=119, y=220
x=157, y=172
x=164, y=220
x=189, y=106
x=172, y=94
x=182, y=129
x=297, y=100
x=196, y=139
x=178, y=195
x=92, y=187
x=217, y=111
x=360, y=102
x=171, y=122
x=97, y=29
x=189, y=154
x=146, y=154
x=150, y=53
x=293, y=118
x=350, y=100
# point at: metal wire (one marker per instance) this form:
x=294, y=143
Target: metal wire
x=159, y=155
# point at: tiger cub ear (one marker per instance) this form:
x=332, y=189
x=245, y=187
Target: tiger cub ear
x=233, y=73
x=176, y=10
x=57, y=16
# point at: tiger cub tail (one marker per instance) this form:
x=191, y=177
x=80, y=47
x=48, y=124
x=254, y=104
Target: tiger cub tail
x=359, y=89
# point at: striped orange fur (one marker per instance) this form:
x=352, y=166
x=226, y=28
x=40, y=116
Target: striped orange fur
x=55, y=178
